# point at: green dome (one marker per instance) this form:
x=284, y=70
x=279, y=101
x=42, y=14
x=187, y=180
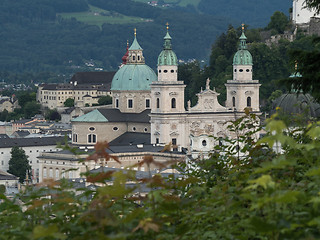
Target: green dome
x=242, y=56
x=167, y=56
x=136, y=77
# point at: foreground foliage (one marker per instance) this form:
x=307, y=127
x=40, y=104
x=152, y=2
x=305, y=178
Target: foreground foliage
x=265, y=194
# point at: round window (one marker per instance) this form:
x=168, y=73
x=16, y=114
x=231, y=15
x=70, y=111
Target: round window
x=241, y=70
x=235, y=70
x=145, y=129
x=165, y=71
x=159, y=71
x=92, y=128
x=172, y=71
x=115, y=128
x=204, y=143
x=134, y=129
x=247, y=70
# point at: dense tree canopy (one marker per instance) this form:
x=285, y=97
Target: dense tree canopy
x=19, y=164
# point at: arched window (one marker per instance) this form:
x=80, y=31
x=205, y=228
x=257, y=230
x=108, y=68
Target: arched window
x=173, y=103
x=233, y=101
x=92, y=138
x=248, y=101
x=204, y=143
x=133, y=58
x=158, y=102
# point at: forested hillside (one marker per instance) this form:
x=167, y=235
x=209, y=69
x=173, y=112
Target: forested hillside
x=35, y=38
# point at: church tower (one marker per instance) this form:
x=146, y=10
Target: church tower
x=167, y=99
x=243, y=91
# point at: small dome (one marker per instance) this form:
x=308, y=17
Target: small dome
x=242, y=57
x=167, y=56
x=136, y=77
x=293, y=104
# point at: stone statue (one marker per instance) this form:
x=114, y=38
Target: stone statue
x=208, y=83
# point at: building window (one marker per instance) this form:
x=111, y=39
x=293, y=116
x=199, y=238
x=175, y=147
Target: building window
x=158, y=102
x=50, y=173
x=134, y=129
x=115, y=128
x=57, y=173
x=173, y=103
x=92, y=128
x=63, y=173
x=165, y=71
x=70, y=174
x=117, y=103
x=146, y=129
x=233, y=101
x=172, y=71
x=75, y=137
x=248, y=101
x=174, y=144
x=147, y=103
x=157, y=140
x=92, y=138
x=44, y=173
x=130, y=103
x=204, y=143
x=133, y=58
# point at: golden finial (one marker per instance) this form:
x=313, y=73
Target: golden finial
x=127, y=43
x=296, y=65
x=167, y=25
x=242, y=26
x=135, y=32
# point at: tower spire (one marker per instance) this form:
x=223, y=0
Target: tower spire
x=243, y=39
x=167, y=39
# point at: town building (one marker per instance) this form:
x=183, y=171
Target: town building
x=33, y=147
x=8, y=103
x=85, y=88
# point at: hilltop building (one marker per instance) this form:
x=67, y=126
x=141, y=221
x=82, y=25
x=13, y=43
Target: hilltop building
x=300, y=14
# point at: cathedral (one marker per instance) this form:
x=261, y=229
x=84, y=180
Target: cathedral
x=149, y=107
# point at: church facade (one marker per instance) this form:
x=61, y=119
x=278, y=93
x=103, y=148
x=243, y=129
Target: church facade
x=193, y=128
x=137, y=91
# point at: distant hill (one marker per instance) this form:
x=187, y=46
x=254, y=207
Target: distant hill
x=67, y=36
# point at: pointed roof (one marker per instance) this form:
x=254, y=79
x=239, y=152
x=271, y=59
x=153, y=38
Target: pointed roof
x=125, y=56
x=135, y=45
x=93, y=116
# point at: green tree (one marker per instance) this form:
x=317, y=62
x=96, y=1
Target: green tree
x=31, y=108
x=53, y=115
x=314, y=4
x=105, y=100
x=69, y=102
x=279, y=22
x=19, y=164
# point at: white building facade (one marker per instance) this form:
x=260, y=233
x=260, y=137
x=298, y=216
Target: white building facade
x=300, y=14
x=193, y=128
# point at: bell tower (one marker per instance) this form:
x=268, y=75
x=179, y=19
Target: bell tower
x=242, y=90
x=167, y=98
